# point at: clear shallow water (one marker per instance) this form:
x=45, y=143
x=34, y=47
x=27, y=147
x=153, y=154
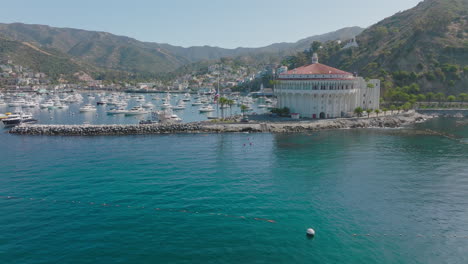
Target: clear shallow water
x=339, y=182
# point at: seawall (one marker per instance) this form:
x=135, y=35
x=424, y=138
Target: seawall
x=444, y=112
x=208, y=127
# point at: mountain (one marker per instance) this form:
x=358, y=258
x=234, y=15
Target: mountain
x=51, y=62
x=427, y=45
x=114, y=52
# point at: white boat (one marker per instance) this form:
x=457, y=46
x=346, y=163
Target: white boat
x=166, y=106
x=60, y=105
x=148, y=105
x=17, y=103
x=87, y=108
x=30, y=104
x=180, y=105
x=18, y=118
x=197, y=102
x=47, y=104
x=186, y=97
x=206, y=109
x=175, y=118
x=136, y=110
x=117, y=111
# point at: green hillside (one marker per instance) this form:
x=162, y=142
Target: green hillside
x=417, y=54
x=52, y=63
x=121, y=53
x=427, y=45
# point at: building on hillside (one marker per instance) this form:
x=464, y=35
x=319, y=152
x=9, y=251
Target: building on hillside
x=351, y=44
x=321, y=91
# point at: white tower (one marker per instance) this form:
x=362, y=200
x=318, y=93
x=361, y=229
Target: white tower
x=315, y=58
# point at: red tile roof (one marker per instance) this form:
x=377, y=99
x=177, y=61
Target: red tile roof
x=316, y=68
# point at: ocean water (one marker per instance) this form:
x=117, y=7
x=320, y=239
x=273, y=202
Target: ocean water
x=372, y=195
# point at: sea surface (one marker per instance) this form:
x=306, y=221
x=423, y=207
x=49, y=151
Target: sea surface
x=372, y=196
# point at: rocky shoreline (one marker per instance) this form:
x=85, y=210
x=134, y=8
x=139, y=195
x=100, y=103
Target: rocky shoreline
x=392, y=121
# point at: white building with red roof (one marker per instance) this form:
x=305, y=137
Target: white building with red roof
x=321, y=91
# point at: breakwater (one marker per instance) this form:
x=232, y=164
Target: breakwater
x=212, y=127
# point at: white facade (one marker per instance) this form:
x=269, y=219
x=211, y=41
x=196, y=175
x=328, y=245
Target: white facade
x=326, y=95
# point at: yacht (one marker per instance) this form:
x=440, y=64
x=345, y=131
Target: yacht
x=140, y=99
x=117, y=111
x=17, y=103
x=136, y=110
x=61, y=105
x=102, y=102
x=206, y=109
x=180, y=105
x=186, y=97
x=197, y=102
x=87, y=108
x=166, y=105
x=47, y=104
x=18, y=118
x=30, y=104
x=148, y=105
x=175, y=118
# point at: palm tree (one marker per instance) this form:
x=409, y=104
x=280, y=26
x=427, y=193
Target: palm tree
x=222, y=101
x=384, y=111
x=244, y=109
x=369, y=111
x=392, y=108
x=230, y=103
x=377, y=112
x=358, y=111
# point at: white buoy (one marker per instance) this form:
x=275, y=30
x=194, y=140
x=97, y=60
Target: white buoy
x=310, y=232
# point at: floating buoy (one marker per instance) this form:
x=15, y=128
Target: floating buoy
x=310, y=232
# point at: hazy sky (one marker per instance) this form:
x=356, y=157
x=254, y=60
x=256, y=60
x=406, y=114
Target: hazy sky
x=224, y=23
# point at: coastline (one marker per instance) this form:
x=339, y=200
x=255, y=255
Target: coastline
x=392, y=121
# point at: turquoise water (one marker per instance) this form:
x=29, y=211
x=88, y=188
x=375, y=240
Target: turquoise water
x=94, y=199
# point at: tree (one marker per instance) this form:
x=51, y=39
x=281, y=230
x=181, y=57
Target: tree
x=392, y=108
x=421, y=98
x=451, y=98
x=222, y=101
x=439, y=97
x=244, y=109
x=463, y=97
x=377, y=112
x=430, y=96
x=406, y=106
x=384, y=110
x=230, y=102
x=369, y=111
x=358, y=111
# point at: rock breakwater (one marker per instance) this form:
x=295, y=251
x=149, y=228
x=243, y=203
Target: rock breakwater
x=208, y=127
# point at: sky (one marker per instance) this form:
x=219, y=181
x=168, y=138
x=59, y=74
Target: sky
x=222, y=23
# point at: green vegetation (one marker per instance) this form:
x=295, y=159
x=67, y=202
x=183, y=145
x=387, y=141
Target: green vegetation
x=281, y=111
x=358, y=111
